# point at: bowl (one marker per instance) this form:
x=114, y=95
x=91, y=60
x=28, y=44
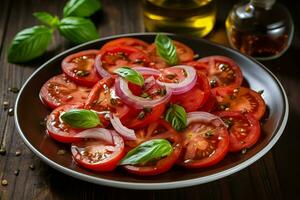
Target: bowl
x=29, y=112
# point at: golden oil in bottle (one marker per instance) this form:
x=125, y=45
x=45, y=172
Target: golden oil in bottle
x=192, y=17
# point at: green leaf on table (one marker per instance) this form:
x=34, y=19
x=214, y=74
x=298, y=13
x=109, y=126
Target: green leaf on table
x=81, y=8
x=81, y=118
x=29, y=43
x=166, y=49
x=130, y=75
x=78, y=30
x=176, y=116
x=150, y=150
x=47, y=19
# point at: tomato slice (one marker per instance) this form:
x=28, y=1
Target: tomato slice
x=103, y=99
x=59, y=90
x=59, y=130
x=157, y=130
x=127, y=41
x=240, y=99
x=99, y=155
x=79, y=67
x=221, y=71
x=114, y=57
x=172, y=75
x=210, y=104
x=205, y=143
x=196, y=97
x=244, y=129
x=184, y=54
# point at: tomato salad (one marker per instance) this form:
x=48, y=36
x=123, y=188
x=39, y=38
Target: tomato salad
x=147, y=107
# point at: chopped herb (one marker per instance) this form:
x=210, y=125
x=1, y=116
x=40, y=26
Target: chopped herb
x=141, y=115
x=228, y=122
x=82, y=73
x=145, y=95
x=113, y=101
x=171, y=76
x=209, y=133
x=161, y=92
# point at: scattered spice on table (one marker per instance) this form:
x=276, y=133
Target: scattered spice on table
x=2, y=151
x=18, y=153
x=4, y=182
x=11, y=111
x=5, y=105
x=16, y=172
x=61, y=152
x=31, y=167
x=13, y=89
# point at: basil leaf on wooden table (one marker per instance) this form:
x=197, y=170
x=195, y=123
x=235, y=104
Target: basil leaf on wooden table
x=29, y=44
x=150, y=150
x=166, y=49
x=176, y=116
x=81, y=118
x=130, y=75
x=78, y=30
x=81, y=8
x=47, y=19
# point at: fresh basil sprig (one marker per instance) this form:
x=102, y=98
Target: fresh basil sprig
x=166, y=49
x=130, y=75
x=176, y=116
x=47, y=19
x=150, y=150
x=81, y=118
x=29, y=44
x=81, y=8
x=78, y=30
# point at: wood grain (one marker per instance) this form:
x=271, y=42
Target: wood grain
x=272, y=177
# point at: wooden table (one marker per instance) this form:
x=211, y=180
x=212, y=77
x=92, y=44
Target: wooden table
x=275, y=176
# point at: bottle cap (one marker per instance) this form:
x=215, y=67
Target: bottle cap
x=267, y=4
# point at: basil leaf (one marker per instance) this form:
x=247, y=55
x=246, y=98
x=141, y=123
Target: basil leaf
x=150, y=150
x=29, y=44
x=47, y=19
x=80, y=118
x=176, y=116
x=81, y=8
x=166, y=49
x=130, y=75
x=78, y=30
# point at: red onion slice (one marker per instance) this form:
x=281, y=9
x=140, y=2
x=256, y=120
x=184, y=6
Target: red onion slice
x=127, y=97
x=147, y=71
x=125, y=132
x=186, y=85
x=98, y=64
x=204, y=117
x=149, y=82
x=96, y=133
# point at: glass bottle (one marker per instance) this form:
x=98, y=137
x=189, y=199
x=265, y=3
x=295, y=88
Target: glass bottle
x=262, y=29
x=192, y=17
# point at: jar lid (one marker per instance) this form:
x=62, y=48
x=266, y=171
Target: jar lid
x=267, y=4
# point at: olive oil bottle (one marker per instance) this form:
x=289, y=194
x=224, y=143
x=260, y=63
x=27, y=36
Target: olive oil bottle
x=191, y=17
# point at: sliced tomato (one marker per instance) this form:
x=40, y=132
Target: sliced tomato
x=210, y=104
x=127, y=41
x=79, y=67
x=184, y=54
x=114, y=57
x=99, y=155
x=59, y=90
x=157, y=130
x=172, y=75
x=240, y=99
x=196, y=97
x=205, y=143
x=244, y=129
x=103, y=99
x=59, y=130
x=221, y=70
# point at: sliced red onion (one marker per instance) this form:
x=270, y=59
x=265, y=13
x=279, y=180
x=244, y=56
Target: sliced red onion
x=125, y=132
x=98, y=64
x=147, y=71
x=204, y=117
x=96, y=133
x=186, y=85
x=149, y=82
x=127, y=97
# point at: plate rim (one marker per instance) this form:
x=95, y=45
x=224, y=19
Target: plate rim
x=164, y=185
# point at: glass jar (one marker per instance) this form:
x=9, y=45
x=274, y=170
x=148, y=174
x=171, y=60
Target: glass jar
x=192, y=17
x=262, y=29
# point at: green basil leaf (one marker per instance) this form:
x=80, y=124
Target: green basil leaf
x=81, y=8
x=176, y=116
x=47, y=19
x=130, y=75
x=28, y=44
x=78, y=30
x=150, y=150
x=81, y=118
x=166, y=49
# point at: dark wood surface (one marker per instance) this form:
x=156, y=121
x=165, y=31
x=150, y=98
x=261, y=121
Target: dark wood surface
x=275, y=176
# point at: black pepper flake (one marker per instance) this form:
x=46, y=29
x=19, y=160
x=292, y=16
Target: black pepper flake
x=61, y=152
x=11, y=111
x=5, y=105
x=2, y=151
x=16, y=172
x=14, y=89
x=4, y=182
x=31, y=167
x=18, y=153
